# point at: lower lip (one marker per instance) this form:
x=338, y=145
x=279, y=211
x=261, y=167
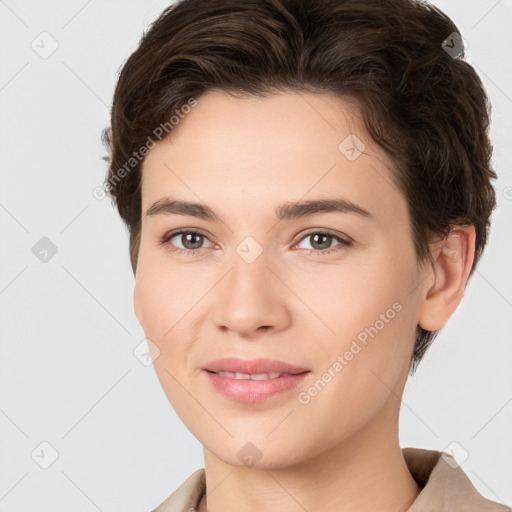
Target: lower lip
x=254, y=391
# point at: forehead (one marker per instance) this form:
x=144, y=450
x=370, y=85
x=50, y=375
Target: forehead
x=236, y=151
x=283, y=124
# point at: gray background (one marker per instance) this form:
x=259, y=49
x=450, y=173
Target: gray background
x=68, y=373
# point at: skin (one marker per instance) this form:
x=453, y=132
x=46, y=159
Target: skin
x=243, y=157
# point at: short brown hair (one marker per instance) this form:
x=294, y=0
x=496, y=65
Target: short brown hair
x=425, y=106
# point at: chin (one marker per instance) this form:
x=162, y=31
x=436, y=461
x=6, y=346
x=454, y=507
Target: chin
x=258, y=451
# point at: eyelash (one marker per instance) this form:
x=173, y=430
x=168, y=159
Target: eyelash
x=165, y=240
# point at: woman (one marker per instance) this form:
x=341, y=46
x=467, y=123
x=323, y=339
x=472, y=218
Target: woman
x=307, y=187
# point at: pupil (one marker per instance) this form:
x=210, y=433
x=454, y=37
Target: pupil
x=325, y=245
x=193, y=235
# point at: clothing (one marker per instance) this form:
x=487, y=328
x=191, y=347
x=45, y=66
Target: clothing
x=444, y=487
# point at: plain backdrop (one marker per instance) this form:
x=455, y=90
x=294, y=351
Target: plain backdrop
x=73, y=395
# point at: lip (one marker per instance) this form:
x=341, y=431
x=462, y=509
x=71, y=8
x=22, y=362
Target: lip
x=261, y=365
x=253, y=391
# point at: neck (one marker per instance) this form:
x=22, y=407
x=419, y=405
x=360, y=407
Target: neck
x=366, y=472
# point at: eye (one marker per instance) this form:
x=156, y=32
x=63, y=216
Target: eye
x=191, y=241
x=321, y=241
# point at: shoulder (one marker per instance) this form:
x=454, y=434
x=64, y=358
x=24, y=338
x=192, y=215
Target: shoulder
x=444, y=484
x=187, y=496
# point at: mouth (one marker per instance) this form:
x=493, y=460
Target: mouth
x=253, y=367
x=253, y=381
x=254, y=376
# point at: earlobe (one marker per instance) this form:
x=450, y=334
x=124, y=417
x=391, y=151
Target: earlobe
x=452, y=264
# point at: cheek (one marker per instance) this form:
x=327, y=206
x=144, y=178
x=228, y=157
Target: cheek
x=166, y=306
x=165, y=294
x=169, y=300
x=349, y=298
x=368, y=310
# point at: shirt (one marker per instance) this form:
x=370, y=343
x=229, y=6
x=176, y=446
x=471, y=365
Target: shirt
x=444, y=487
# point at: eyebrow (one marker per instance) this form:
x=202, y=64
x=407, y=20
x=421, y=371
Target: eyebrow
x=287, y=211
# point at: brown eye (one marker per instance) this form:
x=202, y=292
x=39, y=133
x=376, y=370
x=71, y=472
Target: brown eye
x=321, y=242
x=189, y=240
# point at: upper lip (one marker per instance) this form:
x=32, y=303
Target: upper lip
x=253, y=366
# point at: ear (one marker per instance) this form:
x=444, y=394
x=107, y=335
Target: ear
x=452, y=263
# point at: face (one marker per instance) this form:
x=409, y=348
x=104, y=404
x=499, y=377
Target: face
x=330, y=289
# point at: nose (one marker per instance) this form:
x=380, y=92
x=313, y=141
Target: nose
x=251, y=300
